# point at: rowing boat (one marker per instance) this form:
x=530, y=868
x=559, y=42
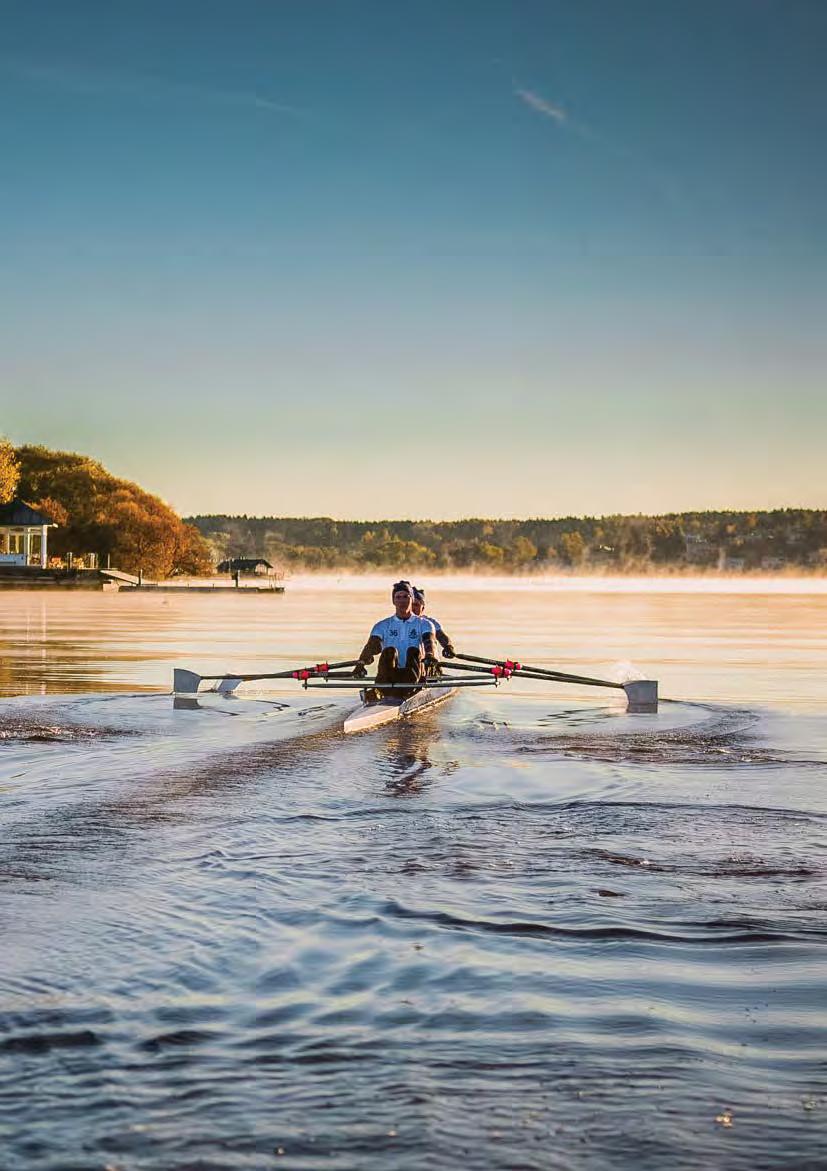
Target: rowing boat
x=385, y=711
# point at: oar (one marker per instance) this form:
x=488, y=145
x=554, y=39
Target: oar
x=516, y=668
x=554, y=677
x=641, y=694
x=499, y=673
x=187, y=682
x=382, y=686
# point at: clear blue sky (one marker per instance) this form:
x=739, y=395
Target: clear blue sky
x=469, y=257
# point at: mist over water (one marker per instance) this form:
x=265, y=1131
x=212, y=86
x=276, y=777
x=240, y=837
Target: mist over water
x=526, y=930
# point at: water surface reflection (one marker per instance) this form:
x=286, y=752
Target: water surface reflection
x=524, y=930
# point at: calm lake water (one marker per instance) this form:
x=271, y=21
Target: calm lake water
x=524, y=931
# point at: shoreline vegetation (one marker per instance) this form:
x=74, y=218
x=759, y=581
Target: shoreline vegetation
x=788, y=542
x=100, y=514
x=119, y=522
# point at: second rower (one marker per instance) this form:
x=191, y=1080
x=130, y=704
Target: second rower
x=441, y=637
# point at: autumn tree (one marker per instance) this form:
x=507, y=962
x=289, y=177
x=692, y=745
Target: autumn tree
x=572, y=548
x=100, y=513
x=384, y=548
x=9, y=471
x=488, y=554
x=523, y=551
x=193, y=557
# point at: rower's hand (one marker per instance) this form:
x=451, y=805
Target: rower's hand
x=430, y=663
x=448, y=652
x=360, y=671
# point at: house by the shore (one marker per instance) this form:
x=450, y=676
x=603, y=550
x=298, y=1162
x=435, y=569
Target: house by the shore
x=24, y=553
x=247, y=566
x=25, y=563
x=24, y=535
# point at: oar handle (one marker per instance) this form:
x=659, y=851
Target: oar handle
x=381, y=685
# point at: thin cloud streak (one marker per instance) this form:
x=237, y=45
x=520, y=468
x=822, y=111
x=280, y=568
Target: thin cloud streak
x=141, y=86
x=542, y=106
x=667, y=188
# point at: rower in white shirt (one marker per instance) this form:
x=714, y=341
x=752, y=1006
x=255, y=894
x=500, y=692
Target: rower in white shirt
x=441, y=637
x=405, y=643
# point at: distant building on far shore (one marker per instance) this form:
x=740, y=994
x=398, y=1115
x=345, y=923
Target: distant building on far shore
x=247, y=566
x=699, y=551
x=730, y=564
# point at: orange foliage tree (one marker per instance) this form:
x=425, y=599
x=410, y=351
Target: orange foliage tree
x=9, y=471
x=100, y=513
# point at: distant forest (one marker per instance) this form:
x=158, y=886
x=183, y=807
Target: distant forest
x=786, y=539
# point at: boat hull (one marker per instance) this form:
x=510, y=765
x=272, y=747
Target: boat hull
x=372, y=715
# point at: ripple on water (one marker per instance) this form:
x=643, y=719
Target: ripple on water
x=574, y=943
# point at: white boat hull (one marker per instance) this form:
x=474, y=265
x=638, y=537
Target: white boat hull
x=386, y=711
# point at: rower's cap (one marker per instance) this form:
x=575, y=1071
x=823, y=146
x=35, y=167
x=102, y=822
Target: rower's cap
x=418, y=594
x=402, y=587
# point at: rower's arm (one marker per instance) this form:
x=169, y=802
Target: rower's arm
x=429, y=644
x=372, y=647
x=443, y=640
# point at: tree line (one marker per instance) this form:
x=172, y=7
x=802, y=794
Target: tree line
x=100, y=513
x=725, y=539
x=97, y=512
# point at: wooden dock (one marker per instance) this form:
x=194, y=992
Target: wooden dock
x=128, y=582
x=29, y=577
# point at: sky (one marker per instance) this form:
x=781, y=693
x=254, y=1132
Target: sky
x=442, y=258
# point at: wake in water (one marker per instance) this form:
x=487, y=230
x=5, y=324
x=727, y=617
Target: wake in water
x=682, y=733
x=711, y=735
x=507, y=934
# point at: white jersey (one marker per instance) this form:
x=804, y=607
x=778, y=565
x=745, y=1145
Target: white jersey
x=402, y=633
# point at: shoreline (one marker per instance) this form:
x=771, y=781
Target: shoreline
x=377, y=580
x=797, y=573
x=815, y=585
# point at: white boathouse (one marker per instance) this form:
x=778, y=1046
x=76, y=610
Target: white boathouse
x=24, y=535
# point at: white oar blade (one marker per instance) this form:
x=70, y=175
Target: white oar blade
x=227, y=685
x=185, y=682
x=642, y=695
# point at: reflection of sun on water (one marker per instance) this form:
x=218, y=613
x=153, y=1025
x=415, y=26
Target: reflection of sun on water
x=735, y=646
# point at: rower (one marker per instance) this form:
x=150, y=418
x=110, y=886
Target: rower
x=405, y=643
x=441, y=637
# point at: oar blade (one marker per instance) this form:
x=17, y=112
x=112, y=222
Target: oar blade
x=188, y=682
x=641, y=695
x=185, y=682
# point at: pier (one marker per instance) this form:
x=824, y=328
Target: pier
x=30, y=577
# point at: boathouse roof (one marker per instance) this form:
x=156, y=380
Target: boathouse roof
x=249, y=564
x=19, y=514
